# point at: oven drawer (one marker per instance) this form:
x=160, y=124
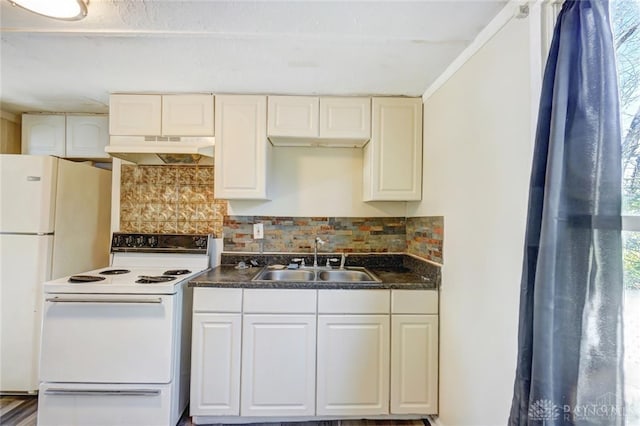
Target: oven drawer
x=109, y=338
x=104, y=405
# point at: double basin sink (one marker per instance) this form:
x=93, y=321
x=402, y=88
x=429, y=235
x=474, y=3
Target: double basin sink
x=349, y=274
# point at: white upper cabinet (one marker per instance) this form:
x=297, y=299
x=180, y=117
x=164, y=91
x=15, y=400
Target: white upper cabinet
x=348, y=118
x=293, y=116
x=393, y=156
x=319, y=121
x=87, y=135
x=135, y=115
x=68, y=136
x=241, y=149
x=161, y=115
x=187, y=115
x=43, y=134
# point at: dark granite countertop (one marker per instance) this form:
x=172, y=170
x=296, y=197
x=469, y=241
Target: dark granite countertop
x=395, y=271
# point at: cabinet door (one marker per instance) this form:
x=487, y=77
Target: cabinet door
x=187, y=115
x=293, y=116
x=241, y=149
x=43, y=134
x=215, y=364
x=345, y=118
x=87, y=135
x=135, y=115
x=393, y=156
x=353, y=365
x=414, y=364
x=278, y=365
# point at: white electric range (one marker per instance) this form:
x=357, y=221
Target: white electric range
x=116, y=340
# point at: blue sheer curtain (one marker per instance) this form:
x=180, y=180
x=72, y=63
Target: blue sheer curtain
x=570, y=354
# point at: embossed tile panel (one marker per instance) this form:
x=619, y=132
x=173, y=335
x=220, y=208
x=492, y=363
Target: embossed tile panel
x=169, y=199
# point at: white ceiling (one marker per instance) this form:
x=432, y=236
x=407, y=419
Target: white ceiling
x=285, y=47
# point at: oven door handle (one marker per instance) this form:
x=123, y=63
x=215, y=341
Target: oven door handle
x=103, y=300
x=102, y=392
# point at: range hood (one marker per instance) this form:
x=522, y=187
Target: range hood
x=162, y=150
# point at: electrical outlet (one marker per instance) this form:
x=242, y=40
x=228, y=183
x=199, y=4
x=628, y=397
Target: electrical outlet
x=258, y=231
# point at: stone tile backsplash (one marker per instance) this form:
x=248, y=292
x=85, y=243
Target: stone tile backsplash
x=180, y=199
x=420, y=236
x=169, y=199
x=425, y=237
x=296, y=234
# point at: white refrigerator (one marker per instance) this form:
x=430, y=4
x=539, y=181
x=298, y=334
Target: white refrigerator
x=54, y=221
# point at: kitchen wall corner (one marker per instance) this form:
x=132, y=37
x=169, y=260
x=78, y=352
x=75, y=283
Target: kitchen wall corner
x=10, y=133
x=425, y=237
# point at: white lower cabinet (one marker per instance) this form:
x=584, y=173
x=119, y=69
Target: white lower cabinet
x=215, y=364
x=301, y=353
x=353, y=364
x=278, y=365
x=414, y=364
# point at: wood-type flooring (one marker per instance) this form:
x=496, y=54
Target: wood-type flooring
x=22, y=411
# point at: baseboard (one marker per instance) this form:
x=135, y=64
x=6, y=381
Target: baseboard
x=435, y=421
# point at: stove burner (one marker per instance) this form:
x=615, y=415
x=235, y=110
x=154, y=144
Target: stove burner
x=143, y=279
x=114, y=271
x=177, y=272
x=84, y=278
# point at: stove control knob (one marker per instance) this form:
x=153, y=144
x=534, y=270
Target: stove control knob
x=118, y=241
x=129, y=241
x=152, y=241
x=139, y=240
x=200, y=242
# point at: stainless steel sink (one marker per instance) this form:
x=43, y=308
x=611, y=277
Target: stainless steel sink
x=285, y=275
x=347, y=275
x=352, y=274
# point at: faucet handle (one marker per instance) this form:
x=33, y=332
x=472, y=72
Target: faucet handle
x=333, y=259
x=300, y=260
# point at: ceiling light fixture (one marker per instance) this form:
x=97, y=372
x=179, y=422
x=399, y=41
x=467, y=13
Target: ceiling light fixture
x=67, y=10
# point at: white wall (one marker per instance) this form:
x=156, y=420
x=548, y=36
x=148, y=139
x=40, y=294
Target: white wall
x=477, y=159
x=316, y=182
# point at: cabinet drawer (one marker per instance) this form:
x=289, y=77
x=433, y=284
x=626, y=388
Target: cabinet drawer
x=353, y=301
x=414, y=302
x=264, y=301
x=217, y=299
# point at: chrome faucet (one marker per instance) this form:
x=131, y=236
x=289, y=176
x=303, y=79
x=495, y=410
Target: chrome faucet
x=343, y=258
x=317, y=241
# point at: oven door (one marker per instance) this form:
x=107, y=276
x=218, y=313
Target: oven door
x=108, y=338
